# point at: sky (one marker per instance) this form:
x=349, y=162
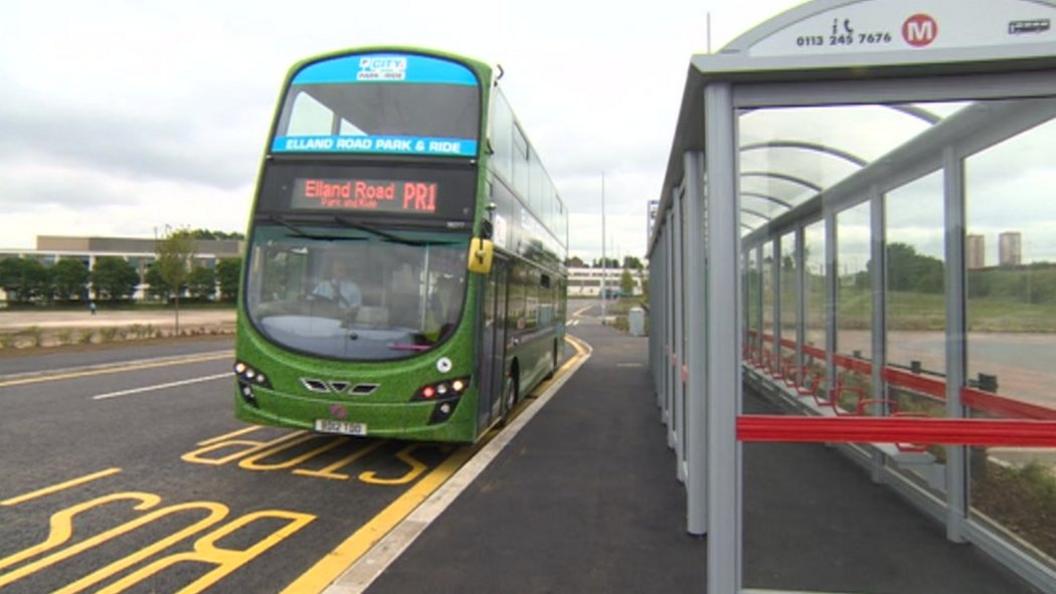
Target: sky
x=121, y=117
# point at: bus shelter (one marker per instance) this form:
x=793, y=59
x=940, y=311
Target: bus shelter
x=858, y=228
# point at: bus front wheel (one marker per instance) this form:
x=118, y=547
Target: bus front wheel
x=510, y=397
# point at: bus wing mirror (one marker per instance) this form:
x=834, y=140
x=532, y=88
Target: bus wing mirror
x=480, y=255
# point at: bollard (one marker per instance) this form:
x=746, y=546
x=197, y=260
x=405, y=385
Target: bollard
x=987, y=382
x=915, y=366
x=636, y=321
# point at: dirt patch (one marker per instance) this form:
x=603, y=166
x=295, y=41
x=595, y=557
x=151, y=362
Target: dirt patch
x=1023, y=500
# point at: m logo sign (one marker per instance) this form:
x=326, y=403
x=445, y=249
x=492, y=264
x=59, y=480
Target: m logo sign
x=920, y=30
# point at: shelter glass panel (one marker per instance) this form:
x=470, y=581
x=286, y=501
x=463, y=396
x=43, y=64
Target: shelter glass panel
x=1010, y=254
x=854, y=309
x=814, y=293
x=767, y=280
x=915, y=296
x=753, y=288
x=915, y=301
x=789, y=304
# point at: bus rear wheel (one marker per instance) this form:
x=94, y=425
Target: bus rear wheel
x=509, y=399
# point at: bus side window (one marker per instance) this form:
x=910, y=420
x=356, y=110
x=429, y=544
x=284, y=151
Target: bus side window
x=515, y=314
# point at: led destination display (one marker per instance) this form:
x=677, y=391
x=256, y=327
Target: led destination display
x=403, y=196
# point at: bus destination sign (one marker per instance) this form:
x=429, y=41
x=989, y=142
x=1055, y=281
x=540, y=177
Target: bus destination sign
x=403, y=196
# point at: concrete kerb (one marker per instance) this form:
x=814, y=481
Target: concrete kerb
x=361, y=574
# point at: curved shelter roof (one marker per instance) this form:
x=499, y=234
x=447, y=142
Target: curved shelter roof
x=791, y=150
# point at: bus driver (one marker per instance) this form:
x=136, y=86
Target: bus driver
x=339, y=288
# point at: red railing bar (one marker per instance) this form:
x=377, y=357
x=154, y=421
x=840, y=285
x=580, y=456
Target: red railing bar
x=1002, y=405
x=977, y=399
x=976, y=432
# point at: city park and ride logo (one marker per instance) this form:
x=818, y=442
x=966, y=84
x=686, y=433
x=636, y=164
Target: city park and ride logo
x=920, y=30
x=382, y=68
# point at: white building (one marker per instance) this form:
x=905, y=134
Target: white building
x=586, y=282
x=1010, y=248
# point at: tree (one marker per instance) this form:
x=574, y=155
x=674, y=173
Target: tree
x=201, y=283
x=609, y=263
x=575, y=262
x=70, y=279
x=210, y=234
x=175, y=252
x=113, y=278
x=626, y=282
x=11, y=277
x=909, y=271
x=632, y=262
x=228, y=272
x=24, y=279
x=156, y=286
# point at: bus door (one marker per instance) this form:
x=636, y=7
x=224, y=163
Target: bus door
x=493, y=343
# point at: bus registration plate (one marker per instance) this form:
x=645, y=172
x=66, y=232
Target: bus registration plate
x=342, y=427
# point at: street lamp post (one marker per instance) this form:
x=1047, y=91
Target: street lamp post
x=604, y=264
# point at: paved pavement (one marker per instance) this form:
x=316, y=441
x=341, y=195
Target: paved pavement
x=162, y=318
x=585, y=500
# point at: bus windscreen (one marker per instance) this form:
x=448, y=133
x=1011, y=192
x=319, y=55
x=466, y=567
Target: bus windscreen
x=403, y=104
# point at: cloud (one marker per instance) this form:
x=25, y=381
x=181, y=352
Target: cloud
x=133, y=114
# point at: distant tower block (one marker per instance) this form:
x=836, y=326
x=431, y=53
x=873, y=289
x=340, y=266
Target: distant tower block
x=1010, y=248
x=975, y=251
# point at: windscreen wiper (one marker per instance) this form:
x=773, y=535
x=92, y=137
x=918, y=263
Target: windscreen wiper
x=298, y=232
x=377, y=232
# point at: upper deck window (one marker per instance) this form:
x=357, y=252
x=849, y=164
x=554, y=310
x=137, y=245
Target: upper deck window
x=381, y=103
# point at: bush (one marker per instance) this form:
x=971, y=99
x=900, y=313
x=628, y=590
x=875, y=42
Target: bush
x=35, y=335
x=64, y=337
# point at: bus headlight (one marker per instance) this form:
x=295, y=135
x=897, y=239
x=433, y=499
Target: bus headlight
x=247, y=375
x=442, y=390
x=246, y=392
x=443, y=411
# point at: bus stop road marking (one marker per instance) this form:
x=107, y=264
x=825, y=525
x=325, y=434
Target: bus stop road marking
x=357, y=562
x=185, y=382
x=320, y=575
x=65, y=540
x=60, y=487
x=118, y=368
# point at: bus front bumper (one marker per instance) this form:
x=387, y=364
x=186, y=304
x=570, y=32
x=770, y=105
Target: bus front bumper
x=449, y=419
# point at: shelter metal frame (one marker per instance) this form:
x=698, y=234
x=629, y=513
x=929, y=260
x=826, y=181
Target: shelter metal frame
x=701, y=215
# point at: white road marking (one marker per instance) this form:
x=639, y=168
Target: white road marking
x=195, y=380
x=579, y=311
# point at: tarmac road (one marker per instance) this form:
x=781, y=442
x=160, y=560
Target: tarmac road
x=132, y=472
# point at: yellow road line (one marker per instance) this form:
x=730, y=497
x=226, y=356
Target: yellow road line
x=337, y=561
x=328, y=568
x=60, y=487
x=226, y=436
x=364, y=570
x=135, y=367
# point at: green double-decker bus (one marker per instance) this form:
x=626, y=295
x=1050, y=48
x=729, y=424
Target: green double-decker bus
x=404, y=274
